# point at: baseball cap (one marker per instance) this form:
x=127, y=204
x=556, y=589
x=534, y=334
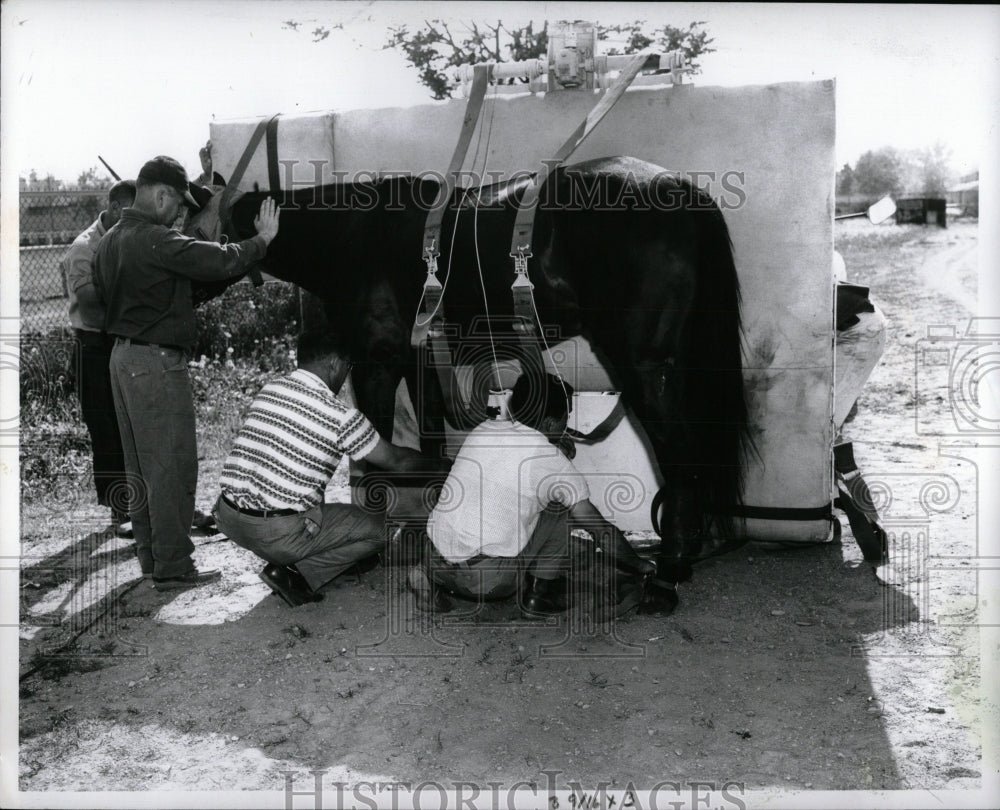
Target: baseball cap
x=166, y=170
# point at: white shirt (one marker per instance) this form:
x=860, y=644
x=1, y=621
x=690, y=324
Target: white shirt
x=503, y=477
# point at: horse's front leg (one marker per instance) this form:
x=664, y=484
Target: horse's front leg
x=375, y=387
x=428, y=402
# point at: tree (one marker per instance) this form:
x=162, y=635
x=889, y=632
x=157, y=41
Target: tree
x=47, y=183
x=692, y=40
x=91, y=180
x=926, y=171
x=880, y=172
x=933, y=169
x=434, y=48
x=845, y=180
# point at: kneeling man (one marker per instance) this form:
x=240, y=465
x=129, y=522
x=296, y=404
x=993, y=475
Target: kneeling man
x=512, y=499
x=272, y=484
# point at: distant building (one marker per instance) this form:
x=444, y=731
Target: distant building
x=965, y=194
x=921, y=211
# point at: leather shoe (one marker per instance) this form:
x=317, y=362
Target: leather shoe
x=363, y=566
x=289, y=584
x=192, y=579
x=428, y=598
x=300, y=582
x=541, y=598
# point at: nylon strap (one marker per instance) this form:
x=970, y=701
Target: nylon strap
x=473, y=109
x=428, y=325
x=778, y=512
x=604, y=429
x=524, y=224
x=234, y=181
x=434, y=311
x=271, y=143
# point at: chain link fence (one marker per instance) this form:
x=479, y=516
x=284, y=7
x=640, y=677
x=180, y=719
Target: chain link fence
x=50, y=221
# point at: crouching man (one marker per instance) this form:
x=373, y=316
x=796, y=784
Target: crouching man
x=273, y=481
x=511, y=500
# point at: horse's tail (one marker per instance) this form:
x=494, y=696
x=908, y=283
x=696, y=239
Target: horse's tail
x=715, y=401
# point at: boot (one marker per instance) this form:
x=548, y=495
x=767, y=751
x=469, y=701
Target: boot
x=540, y=597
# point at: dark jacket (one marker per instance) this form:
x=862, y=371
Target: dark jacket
x=143, y=274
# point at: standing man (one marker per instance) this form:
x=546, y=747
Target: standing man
x=295, y=434
x=518, y=499
x=86, y=315
x=143, y=273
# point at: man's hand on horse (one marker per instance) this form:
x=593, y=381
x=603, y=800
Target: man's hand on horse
x=266, y=221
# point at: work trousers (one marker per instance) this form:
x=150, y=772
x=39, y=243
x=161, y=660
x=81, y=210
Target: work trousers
x=858, y=349
x=321, y=542
x=98, y=408
x=152, y=393
x=546, y=556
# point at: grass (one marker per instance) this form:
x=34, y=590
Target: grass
x=245, y=338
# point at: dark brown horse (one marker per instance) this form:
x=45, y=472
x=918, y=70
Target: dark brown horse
x=634, y=259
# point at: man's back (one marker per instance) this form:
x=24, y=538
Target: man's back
x=144, y=272
x=144, y=300
x=503, y=477
x=85, y=309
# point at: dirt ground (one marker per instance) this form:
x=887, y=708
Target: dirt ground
x=787, y=668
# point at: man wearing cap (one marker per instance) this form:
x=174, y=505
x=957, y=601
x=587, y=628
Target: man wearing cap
x=144, y=271
x=86, y=316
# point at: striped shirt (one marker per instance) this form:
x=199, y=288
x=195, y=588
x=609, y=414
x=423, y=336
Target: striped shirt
x=294, y=436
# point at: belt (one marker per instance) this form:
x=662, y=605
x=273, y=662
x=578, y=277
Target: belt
x=91, y=337
x=260, y=513
x=469, y=563
x=137, y=342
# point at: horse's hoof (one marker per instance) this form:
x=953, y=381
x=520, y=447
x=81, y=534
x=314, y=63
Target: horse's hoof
x=674, y=570
x=660, y=598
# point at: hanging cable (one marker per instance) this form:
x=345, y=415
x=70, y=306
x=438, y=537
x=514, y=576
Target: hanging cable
x=475, y=235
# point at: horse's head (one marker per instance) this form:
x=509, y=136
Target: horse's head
x=208, y=223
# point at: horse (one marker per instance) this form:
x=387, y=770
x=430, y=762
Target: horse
x=631, y=257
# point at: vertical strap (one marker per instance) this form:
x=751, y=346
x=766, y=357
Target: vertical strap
x=524, y=223
x=241, y=167
x=473, y=109
x=428, y=325
x=273, y=175
x=433, y=308
x=234, y=181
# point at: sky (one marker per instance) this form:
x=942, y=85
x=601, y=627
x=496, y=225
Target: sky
x=129, y=80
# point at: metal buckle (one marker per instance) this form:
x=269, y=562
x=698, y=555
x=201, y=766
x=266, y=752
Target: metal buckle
x=521, y=259
x=430, y=256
